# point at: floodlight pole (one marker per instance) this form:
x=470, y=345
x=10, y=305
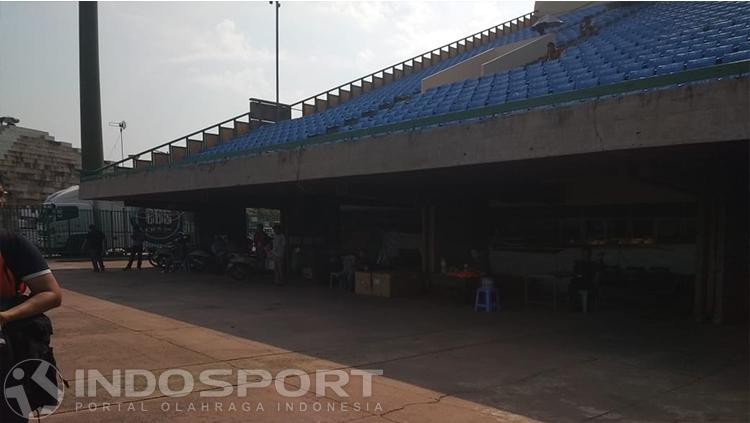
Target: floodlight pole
x=122, y=141
x=278, y=6
x=122, y=125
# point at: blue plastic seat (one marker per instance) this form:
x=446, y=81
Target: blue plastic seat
x=736, y=56
x=700, y=63
x=629, y=67
x=719, y=51
x=658, y=61
x=517, y=95
x=641, y=73
x=538, y=91
x=684, y=57
x=568, y=86
x=612, y=78
x=586, y=83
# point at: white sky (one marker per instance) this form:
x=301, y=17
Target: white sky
x=171, y=68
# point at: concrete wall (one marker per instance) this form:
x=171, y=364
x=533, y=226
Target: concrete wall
x=33, y=165
x=703, y=113
x=528, y=52
x=473, y=67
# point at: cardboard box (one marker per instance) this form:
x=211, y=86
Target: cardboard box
x=396, y=284
x=363, y=283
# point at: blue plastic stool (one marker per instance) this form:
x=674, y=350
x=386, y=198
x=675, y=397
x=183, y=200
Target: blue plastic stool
x=487, y=299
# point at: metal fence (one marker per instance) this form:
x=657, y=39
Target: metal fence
x=61, y=231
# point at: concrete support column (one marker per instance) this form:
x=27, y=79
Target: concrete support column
x=721, y=277
x=230, y=221
x=92, y=155
x=429, y=264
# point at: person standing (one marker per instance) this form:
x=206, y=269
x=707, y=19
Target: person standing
x=136, y=249
x=22, y=269
x=94, y=244
x=279, y=255
x=260, y=239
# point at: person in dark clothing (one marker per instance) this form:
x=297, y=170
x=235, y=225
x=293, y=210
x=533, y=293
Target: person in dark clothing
x=22, y=269
x=586, y=27
x=583, y=282
x=136, y=249
x=94, y=244
x=553, y=52
x=260, y=241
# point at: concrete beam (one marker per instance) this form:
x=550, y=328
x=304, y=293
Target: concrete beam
x=225, y=134
x=308, y=109
x=332, y=100
x=194, y=146
x=178, y=153
x=345, y=95
x=241, y=127
x=141, y=164
x=695, y=114
x=210, y=140
x=160, y=158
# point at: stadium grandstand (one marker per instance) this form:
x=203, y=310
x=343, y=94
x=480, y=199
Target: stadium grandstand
x=632, y=143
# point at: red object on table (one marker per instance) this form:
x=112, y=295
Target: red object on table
x=465, y=274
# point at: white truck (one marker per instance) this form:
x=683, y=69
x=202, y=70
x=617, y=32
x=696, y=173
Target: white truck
x=65, y=218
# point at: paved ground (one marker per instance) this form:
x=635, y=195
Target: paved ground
x=441, y=362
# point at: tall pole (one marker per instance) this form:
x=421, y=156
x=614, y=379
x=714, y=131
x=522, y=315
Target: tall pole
x=92, y=152
x=278, y=5
x=122, y=147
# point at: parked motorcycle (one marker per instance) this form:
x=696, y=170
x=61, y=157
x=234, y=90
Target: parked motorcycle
x=202, y=261
x=241, y=266
x=158, y=256
x=171, y=256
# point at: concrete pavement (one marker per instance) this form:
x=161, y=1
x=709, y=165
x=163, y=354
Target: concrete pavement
x=440, y=361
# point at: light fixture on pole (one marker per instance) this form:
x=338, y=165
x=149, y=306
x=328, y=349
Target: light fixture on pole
x=278, y=6
x=122, y=125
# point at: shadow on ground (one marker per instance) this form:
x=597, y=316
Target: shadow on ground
x=550, y=366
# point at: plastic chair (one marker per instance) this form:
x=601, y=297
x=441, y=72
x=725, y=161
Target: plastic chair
x=487, y=299
x=347, y=271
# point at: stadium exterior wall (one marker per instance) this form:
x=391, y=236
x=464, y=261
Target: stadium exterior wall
x=691, y=114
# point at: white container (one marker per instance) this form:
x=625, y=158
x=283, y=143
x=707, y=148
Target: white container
x=487, y=282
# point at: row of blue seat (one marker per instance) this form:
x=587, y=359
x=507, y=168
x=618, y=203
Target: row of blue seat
x=682, y=37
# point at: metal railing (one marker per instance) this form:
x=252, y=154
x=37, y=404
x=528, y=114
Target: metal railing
x=167, y=158
x=483, y=36
x=134, y=158
x=57, y=234
x=630, y=86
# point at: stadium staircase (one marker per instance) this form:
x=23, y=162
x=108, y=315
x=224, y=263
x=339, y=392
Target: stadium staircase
x=34, y=165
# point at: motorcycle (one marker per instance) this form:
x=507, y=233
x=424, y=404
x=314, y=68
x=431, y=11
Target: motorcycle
x=158, y=256
x=169, y=257
x=201, y=261
x=241, y=266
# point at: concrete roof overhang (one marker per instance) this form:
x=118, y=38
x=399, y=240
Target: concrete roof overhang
x=527, y=149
